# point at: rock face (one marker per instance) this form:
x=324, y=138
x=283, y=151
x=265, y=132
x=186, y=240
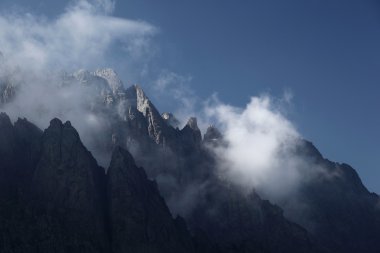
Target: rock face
x=188, y=168
x=57, y=191
x=55, y=198
x=212, y=135
x=8, y=88
x=19, y=153
x=155, y=122
x=190, y=134
x=139, y=218
x=232, y=222
x=341, y=213
x=112, y=79
x=68, y=194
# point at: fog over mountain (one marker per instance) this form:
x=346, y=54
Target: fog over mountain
x=36, y=57
x=236, y=179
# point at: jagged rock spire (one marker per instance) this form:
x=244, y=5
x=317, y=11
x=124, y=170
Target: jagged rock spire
x=140, y=220
x=212, y=134
x=192, y=123
x=112, y=78
x=190, y=134
x=68, y=181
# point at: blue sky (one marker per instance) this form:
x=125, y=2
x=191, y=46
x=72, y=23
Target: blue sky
x=327, y=53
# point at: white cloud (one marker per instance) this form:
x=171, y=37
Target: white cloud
x=108, y=6
x=261, y=141
x=80, y=37
x=260, y=146
x=36, y=50
x=175, y=89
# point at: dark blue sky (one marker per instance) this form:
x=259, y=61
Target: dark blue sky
x=326, y=52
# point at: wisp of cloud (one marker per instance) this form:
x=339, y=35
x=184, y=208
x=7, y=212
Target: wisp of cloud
x=81, y=37
x=36, y=53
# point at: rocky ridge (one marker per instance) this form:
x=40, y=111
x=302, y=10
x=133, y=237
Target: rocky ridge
x=60, y=200
x=341, y=215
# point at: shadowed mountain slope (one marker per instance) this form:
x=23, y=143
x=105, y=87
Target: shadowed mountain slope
x=56, y=198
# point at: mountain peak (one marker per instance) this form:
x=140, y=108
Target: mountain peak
x=55, y=123
x=67, y=176
x=138, y=87
x=138, y=98
x=140, y=218
x=212, y=134
x=142, y=100
x=192, y=123
x=82, y=74
x=4, y=119
x=111, y=77
x=135, y=97
x=124, y=156
x=191, y=135
x=62, y=134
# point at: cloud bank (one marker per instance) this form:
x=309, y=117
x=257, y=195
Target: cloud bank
x=260, y=146
x=81, y=37
x=37, y=52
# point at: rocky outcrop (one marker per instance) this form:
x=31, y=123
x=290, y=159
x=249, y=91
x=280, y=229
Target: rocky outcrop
x=235, y=222
x=123, y=107
x=55, y=198
x=191, y=136
x=112, y=79
x=68, y=194
x=8, y=88
x=213, y=138
x=20, y=146
x=212, y=135
x=338, y=210
x=139, y=218
x=156, y=125
x=54, y=191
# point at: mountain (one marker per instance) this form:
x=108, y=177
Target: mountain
x=8, y=88
x=140, y=221
x=55, y=196
x=338, y=209
x=57, y=206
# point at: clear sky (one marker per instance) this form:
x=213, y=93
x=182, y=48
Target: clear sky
x=327, y=53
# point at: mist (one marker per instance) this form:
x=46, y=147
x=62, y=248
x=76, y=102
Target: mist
x=37, y=54
x=259, y=146
x=81, y=37
x=40, y=55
